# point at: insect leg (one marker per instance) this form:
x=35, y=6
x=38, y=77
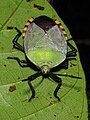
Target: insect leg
x=20, y=61
x=59, y=81
x=29, y=79
x=64, y=64
x=72, y=52
x=15, y=43
x=32, y=89
x=56, y=90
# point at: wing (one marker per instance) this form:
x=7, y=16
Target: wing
x=44, y=46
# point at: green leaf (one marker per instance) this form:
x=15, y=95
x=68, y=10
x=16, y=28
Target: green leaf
x=14, y=94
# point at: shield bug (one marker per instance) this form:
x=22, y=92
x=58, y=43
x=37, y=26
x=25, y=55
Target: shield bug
x=45, y=46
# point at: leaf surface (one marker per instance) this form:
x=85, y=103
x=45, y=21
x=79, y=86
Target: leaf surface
x=14, y=105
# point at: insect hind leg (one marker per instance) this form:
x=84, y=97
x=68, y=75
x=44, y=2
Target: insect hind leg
x=22, y=63
x=32, y=89
x=16, y=45
x=59, y=81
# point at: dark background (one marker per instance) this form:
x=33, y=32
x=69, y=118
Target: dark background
x=76, y=16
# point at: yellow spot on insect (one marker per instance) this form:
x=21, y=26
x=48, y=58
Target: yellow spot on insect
x=61, y=26
x=64, y=32
x=23, y=34
x=66, y=38
x=57, y=22
x=25, y=29
x=28, y=23
x=31, y=19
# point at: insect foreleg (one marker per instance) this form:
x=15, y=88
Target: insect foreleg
x=15, y=41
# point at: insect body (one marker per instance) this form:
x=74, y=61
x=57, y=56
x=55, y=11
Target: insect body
x=45, y=45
